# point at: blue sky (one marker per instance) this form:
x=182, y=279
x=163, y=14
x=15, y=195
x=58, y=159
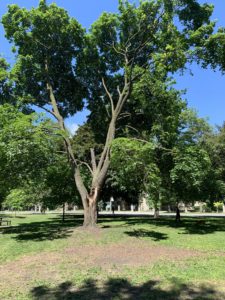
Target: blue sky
x=205, y=89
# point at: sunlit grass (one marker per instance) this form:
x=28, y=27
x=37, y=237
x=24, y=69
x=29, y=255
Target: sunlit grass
x=33, y=235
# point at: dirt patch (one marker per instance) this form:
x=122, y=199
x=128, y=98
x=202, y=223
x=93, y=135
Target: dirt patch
x=47, y=266
x=95, y=231
x=128, y=254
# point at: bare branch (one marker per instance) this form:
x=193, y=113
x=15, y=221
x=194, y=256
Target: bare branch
x=93, y=159
x=117, y=51
x=87, y=165
x=131, y=127
x=39, y=42
x=118, y=90
x=124, y=115
x=59, y=117
x=109, y=139
x=123, y=98
x=109, y=95
x=47, y=110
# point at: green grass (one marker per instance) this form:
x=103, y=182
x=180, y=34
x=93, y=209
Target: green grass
x=37, y=257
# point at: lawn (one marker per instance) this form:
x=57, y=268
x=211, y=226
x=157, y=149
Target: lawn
x=124, y=258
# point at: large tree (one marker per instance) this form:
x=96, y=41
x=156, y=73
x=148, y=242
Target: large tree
x=58, y=65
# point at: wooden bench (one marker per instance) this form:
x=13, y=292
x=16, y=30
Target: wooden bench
x=4, y=222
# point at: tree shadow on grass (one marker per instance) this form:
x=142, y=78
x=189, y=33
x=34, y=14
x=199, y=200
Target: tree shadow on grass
x=50, y=229
x=54, y=228
x=143, y=233
x=120, y=288
x=189, y=225
x=6, y=216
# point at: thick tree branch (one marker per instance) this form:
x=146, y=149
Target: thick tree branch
x=58, y=116
x=123, y=116
x=93, y=160
x=81, y=187
x=87, y=165
x=131, y=127
x=47, y=110
x=118, y=90
x=109, y=95
x=104, y=169
x=110, y=137
x=116, y=50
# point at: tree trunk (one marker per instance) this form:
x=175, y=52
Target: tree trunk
x=156, y=213
x=177, y=214
x=90, y=215
x=63, y=219
x=90, y=208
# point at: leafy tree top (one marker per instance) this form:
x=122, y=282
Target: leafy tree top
x=48, y=43
x=138, y=39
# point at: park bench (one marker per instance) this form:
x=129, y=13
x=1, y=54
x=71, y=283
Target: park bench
x=4, y=222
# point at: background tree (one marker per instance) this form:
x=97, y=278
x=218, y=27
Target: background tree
x=5, y=83
x=191, y=167
x=214, y=186
x=16, y=200
x=59, y=182
x=190, y=163
x=130, y=164
x=25, y=148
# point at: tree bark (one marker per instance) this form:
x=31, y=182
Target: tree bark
x=63, y=219
x=90, y=211
x=156, y=213
x=177, y=214
x=90, y=215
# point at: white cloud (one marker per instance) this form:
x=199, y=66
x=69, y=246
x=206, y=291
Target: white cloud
x=72, y=127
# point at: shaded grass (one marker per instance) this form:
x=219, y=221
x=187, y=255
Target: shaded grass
x=120, y=288
x=192, y=233
x=34, y=233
